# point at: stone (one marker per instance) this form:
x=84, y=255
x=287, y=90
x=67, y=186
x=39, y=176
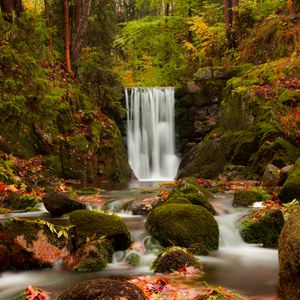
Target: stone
x=173, y=259
x=18, y=201
x=89, y=225
x=245, y=198
x=60, y=203
x=271, y=178
x=104, y=289
x=289, y=253
x=262, y=227
x=184, y=225
x=284, y=173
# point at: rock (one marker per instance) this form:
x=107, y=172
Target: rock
x=59, y=203
x=245, y=198
x=93, y=225
x=18, y=201
x=189, y=189
x=289, y=262
x=192, y=88
x=271, y=178
x=173, y=259
x=204, y=73
x=262, y=227
x=183, y=225
x=284, y=172
x=143, y=206
x=27, y=244
x=93, y=256
x=291, y=188
x=178, y=199
x=104, y=289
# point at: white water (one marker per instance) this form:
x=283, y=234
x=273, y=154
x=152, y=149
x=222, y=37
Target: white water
x=151, y=133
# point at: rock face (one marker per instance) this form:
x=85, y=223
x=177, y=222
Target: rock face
x=289, y=253
x=271, y=178
x=94, y=225
x=173, y=259
x=291, y=188
x=104, y=289
x=245, y=198
x=26, y=244
x=58, y=203
x=262, y=227
x=184, y=225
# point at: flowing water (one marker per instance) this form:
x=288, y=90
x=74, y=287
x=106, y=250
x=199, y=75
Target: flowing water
x=249, y=270
x=151, y=133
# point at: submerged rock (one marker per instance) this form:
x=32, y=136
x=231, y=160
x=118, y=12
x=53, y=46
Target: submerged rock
x=58, y=203
x=184, y=225
x=173, y=259
x=27, y=244
x=289, y=262
x=291, y=188
x=262, y=227
x=104, y=289
x=90, y=225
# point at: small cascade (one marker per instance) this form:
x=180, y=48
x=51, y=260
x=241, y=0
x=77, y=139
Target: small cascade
x=151, y=133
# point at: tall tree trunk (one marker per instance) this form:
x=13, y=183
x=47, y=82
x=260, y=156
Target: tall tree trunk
x=167, y=9
x=7, y=7
x=80, y=33
x=77, y=14
x=48, y=24
x=18, y=7
x=230, y=20
x=67, y=37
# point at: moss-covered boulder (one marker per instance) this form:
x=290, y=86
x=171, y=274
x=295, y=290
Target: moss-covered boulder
x=18, y=201
x=178, y=199
x=59, y=203
x=183, y=225
x=93, y=256
x=289, y=254
x=262, y=227
x=291, y=188
x=27, y=244
x=91, y=225
x=245, y=198
x=104, y=289
x=173, y=259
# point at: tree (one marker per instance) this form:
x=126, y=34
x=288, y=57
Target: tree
x=48, y=23
x=8, y=7
x=67, y=37
x=230, y=20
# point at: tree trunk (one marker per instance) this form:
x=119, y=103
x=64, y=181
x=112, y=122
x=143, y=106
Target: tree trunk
x=7, y=7
x=18, y=7
x=167, y=9
x=230, y=20
x=48, y=23
x=80, y=33
x=77, y=14
x=67, y=37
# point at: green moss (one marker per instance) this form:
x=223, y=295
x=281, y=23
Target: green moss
x=133, y=258
x=173, y=259
x=183, y=225
x=291, y=188
x=178, y=199
x=93, y=225
x=246, y=198
x=20, y=201
x=262, y=227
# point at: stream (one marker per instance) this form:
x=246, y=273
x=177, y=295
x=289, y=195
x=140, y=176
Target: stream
x=247, y=269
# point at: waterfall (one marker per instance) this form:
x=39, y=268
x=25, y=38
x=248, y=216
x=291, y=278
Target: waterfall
x=151, y=133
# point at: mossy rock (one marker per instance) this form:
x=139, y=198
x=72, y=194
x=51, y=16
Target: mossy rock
x=183, y=225
x=262, y=227
x=178, y=200
x=93, y=256
x=59, y=203
x=291, y=188
x=173, y=259
x=245, y=198
x=104, y=289
x=90, y=225
x=27, y=244
x=18, y=201
x=289, y=254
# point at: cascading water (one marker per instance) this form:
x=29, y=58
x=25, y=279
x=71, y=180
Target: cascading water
x=151, y=133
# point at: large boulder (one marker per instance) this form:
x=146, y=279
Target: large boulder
x=91, y=225
x=245, y=198
x=184, y=225
x=27, y=244
x=93, y=256
x=104, y=289
x=289, y=254
x=271, y=178
x=173, y=259
x=262, y=227
x=291, y=188
x=59, y=203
